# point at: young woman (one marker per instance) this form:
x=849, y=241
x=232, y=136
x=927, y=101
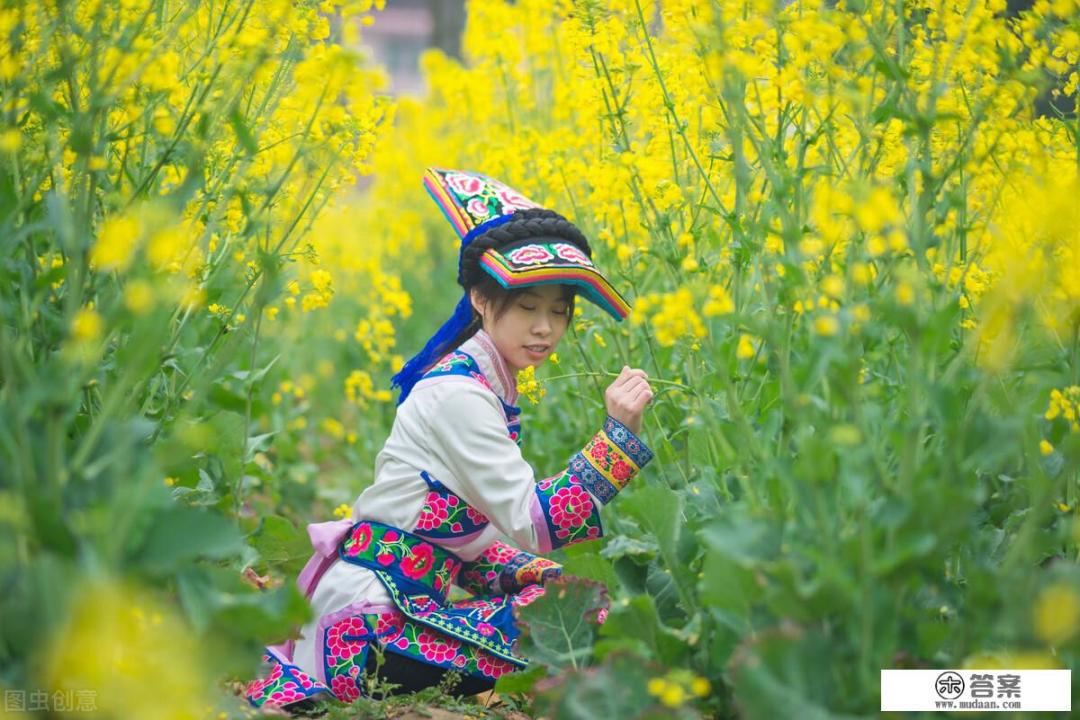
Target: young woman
x=454, y=502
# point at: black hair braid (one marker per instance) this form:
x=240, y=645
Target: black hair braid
x=522, y=225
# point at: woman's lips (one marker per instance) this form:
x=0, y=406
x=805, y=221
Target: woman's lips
x=537, y=354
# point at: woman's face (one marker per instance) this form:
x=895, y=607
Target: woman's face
x=530, y=328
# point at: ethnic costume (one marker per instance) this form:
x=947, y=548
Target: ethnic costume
x=453, y=501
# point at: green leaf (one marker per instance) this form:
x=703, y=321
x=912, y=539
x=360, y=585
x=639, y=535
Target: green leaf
x=243, y=133
x=616, y=689
x=659, y=510
x=183, y=533
x=593, y=567
x=520, y=682
x=559, y=628
x=281, y=546
x=637, y=618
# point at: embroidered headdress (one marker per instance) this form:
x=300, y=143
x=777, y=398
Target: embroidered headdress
x=476, y=204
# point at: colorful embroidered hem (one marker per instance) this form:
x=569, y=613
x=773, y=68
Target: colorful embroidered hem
x=284, y=684
x=416, y=574
x=418, y=566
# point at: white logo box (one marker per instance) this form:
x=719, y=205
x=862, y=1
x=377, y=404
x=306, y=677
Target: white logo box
x=992, y=690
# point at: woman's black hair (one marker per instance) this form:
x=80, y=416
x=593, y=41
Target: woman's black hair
x=523, y=226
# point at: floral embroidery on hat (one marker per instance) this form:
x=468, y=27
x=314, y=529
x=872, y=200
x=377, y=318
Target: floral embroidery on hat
x=569, y=252
x=530, y=255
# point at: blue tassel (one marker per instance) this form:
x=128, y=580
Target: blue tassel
x=436, y=347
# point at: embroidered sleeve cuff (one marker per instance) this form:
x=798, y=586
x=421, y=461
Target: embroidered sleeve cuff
x=610, y=460
x=503, y=569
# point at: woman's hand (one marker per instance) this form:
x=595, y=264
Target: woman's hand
x=627, y=397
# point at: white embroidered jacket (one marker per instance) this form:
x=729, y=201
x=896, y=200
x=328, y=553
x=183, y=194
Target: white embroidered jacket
x=452, y=472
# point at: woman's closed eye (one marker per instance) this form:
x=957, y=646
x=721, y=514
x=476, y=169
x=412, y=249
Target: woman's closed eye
x=564, y=311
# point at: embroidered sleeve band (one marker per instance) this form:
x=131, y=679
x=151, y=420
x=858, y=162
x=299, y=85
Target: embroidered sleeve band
x=610, y=460
x=503, y=569
x=570, y=512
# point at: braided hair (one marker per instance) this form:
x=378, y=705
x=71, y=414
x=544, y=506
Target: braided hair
x=523, y=227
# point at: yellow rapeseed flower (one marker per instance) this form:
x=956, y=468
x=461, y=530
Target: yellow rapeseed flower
x=529, y=386
x=826, y=325
x=719, y=302
x=132, y=651
x=87, y=326
x=745, y=349
x=116, y=244
x=1057, y=614
x=138, y=296
x=10, y=140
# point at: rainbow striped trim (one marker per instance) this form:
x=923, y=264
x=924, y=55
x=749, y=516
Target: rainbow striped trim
x=470, y=200
x=556, y=269
x=450, y=209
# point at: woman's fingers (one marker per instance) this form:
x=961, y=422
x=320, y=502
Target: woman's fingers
x=642, y=395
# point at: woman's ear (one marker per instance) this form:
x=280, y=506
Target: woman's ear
x=479, y=302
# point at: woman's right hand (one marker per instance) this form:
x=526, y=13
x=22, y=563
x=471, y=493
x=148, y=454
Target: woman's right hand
x=627, y=397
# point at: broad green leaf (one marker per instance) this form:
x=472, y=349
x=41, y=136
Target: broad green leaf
x=281, y=546
x=559, y=628
x=637, y=618
x=183, y=533
x=618, y=688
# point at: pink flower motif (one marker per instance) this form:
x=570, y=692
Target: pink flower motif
x=344, y=688
x=389, y=623
x=486, y=629
x=464, y=184
x=436, y=647
x=500, y=552
x=256, y=688
x=528, y=594
x=287, y=693
x=456, y=527
x=452, y=500
x=570, y=507
x=385, y=558
x=340, y=646
x=479, y=377
x=601, y=616
x=434, y=512
x=361, y=539
x=475, y=516
x=417, y=564
x=514, y=199
x=459, y=661
x=492, y=666
x=478, y=209
x=599, y=451
x=571, y=253
x=620, y=470
x=448, y=361
x=390, y=536
x=530, y=255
